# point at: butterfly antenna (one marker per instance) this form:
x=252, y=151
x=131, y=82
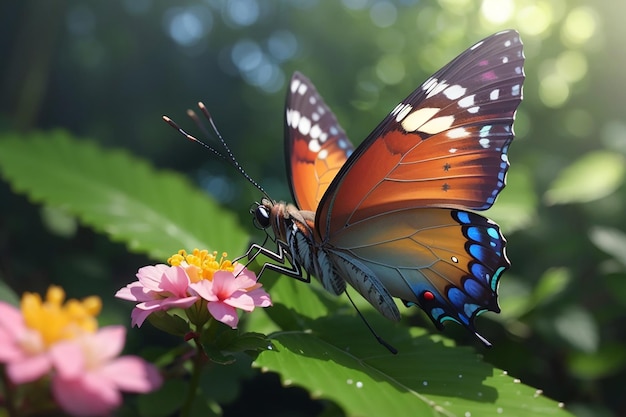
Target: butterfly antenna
x=229, y=157
x=232, y=158
x=371, y=329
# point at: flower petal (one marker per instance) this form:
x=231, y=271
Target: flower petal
x=175, y=281
x=29, y=369
x=133, y=374
x=150, y=276
x=204, y=289
x=87, y=396
x=68, y=358
x=224, y=313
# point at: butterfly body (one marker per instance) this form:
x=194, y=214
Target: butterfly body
x=394, y=217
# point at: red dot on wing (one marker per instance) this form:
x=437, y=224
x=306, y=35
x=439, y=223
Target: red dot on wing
x=428, y=296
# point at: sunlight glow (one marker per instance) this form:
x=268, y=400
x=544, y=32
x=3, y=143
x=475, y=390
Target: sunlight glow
x=497, y=11
x=553, y=90
x=572, y=66
x=579, y=26
x=535, y=18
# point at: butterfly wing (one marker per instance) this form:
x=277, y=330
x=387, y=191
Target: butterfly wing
x=448, y=262
x=395, y=210
x=444, y=146
x=316, y=146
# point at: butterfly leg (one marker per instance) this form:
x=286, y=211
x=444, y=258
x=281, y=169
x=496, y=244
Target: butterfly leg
x=282, y=257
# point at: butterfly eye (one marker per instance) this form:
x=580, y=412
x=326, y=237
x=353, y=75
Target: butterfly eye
x=262, y=216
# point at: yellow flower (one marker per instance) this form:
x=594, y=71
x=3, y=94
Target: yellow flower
x=56, y=321
x=200, y=264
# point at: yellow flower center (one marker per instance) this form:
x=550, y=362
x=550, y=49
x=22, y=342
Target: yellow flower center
x=56, y=321
x=200, y=264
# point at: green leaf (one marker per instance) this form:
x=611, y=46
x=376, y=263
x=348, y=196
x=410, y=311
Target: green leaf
x=611, y=241
x=334, y=356
x=153, y=212
x=608, y=360
x=8, y=295
x=594, y=176
x=576, y=326
x=169, y=323
x=428, y=377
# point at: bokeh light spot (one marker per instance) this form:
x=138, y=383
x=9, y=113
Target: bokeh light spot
x=390, y=69
x=535, y=18
x=355, y=4
x=242, y=12
x=579, y=26
x=497, y=11
x=553, y=90
x=188, y=26
x=458, y=6
x=283, y=45
x=383, y=14
x=572, y=65
x=246, y=55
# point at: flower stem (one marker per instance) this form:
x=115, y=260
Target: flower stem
x=198, y=362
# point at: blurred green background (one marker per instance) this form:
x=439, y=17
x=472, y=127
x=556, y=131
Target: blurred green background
x=108, y=70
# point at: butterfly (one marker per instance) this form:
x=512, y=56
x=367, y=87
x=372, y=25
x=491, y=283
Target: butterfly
x=395, y=217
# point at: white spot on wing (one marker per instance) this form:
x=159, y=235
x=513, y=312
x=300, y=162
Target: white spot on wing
x=477, y=45
x=457, y=133
x=494, y=94
x=403, y=112
x=437, y=125
x=438, y=89
x=484, y=142
x=467, y=101
x=295, y=118
x=294, y=85
x=302, y=89
x=304, y=126
x=515, y=90
x=315, y=131
x=322, y=154
x=455, y=91
x=415, y=120
x=314, y=146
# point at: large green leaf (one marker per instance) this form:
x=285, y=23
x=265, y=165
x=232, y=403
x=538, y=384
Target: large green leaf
x=334, y=356
x=153, y=212
x=594, y=176
x=427, y=377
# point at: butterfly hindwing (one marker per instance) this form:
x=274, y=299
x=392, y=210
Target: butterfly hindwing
x=448, y=262
x=443, y=146
x=316, y=146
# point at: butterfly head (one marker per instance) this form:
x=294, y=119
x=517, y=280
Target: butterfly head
x=261, y=213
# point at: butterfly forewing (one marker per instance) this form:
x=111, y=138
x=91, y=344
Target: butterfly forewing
x=444, y=146
x=316, y=146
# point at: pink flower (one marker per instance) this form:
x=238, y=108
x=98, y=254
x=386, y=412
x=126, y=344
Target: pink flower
x=230, y=290
x=90, y=376
x=159, y=287
x=22, y=349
